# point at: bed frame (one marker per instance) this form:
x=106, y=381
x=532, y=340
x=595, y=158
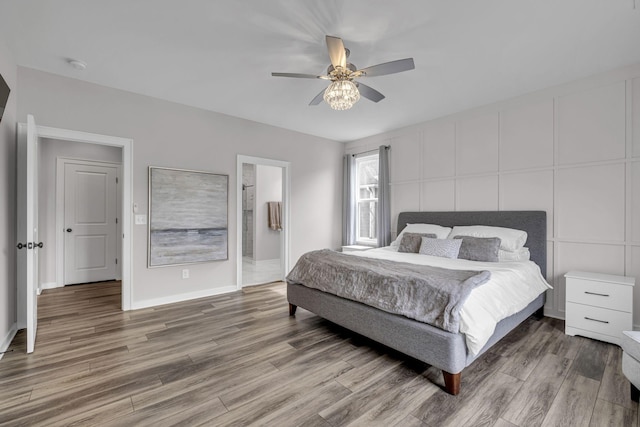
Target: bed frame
x=444, y=350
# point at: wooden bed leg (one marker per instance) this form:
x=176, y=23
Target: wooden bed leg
x=451, y=382
x=292, y=309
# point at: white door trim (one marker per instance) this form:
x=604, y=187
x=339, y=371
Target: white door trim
x=286, y=209
x=60, y=168
x=127, y=193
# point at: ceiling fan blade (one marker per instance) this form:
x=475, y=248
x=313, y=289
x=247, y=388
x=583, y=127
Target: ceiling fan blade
x=388, y=68
x=299, y=76
x=318, y=99
x=336, y=52
x=369, y=92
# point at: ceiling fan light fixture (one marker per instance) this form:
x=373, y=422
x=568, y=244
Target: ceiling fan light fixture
x=341, y=94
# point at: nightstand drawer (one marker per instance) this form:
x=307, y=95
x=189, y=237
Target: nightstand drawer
x=599, y=294
x=601, y=320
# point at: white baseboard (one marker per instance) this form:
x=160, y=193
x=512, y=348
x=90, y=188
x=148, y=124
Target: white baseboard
x=182, y=297
x=270, y=282
x=553, y=315
x=6, y=341
x=48, y=285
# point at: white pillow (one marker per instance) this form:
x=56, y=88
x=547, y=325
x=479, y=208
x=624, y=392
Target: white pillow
x=510, y=239
x=519, y=255
x=439, y=231
x=444, y=248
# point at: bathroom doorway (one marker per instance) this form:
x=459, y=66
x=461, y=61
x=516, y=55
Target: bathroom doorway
x=263, y=232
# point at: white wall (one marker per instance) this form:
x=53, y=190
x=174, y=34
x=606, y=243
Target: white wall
x=8, y=70
x=268, y=186
x=571, y=150
x=49, y=151
x=173, y=135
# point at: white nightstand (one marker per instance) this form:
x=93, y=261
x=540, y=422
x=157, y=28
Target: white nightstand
x=356, y=248
x=599, y=306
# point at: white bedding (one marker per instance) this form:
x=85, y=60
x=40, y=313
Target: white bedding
x=513, y=285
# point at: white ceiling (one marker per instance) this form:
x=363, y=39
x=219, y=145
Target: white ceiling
x=219, y=55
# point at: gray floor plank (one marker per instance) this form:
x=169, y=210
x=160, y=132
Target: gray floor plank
x=615, y=386
x=607, y=414
x=574, y=403
x=591, y=359
x=530, y=405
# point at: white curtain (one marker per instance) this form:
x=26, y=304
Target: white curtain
x=384, y=202
x=348, y=201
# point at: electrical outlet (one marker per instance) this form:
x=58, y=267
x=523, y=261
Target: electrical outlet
x=185, y=273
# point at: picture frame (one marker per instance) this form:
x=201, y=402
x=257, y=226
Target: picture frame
x=188, y=217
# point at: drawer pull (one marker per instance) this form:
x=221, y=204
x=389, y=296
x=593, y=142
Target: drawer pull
x=594, y=293
x=596, y=320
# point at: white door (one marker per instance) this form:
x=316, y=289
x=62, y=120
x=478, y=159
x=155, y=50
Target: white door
x=27, y=237
x=90, y=218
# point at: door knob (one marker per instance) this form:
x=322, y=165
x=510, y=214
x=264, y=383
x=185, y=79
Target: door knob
x=69, y=230
x=40, y=245
x=21, y=245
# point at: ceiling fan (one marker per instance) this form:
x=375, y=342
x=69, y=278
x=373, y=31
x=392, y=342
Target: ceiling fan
x=344, y=91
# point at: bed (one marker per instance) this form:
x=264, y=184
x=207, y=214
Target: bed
x=444, y=350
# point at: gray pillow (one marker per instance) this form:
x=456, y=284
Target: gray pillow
x=479, y=248
x=445, y=248
x=411, y=242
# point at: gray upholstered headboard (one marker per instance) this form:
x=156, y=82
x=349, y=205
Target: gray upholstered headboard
x=533, y=222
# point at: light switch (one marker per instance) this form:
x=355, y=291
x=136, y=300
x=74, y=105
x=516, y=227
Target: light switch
x=141, y=219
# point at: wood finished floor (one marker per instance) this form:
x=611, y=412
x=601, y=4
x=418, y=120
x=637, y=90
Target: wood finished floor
x=239, y=359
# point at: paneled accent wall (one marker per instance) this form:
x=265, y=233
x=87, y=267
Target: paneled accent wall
x=571, y=150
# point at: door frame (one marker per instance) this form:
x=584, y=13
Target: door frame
x=127, y=195
x=286, y=210
x=61, y=162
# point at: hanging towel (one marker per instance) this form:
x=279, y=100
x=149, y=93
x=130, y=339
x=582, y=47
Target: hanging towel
x=274, y=216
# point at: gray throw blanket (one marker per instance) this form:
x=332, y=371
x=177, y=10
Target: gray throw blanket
x=428, y=294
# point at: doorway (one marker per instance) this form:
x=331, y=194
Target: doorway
x=261, y=224
x=85, y=144
x=263, y=220
x=29, y=137
x=87, y=219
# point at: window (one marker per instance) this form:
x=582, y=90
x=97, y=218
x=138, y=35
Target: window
x=366, y=199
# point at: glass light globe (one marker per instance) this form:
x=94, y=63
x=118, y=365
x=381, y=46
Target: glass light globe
x=341, y=95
